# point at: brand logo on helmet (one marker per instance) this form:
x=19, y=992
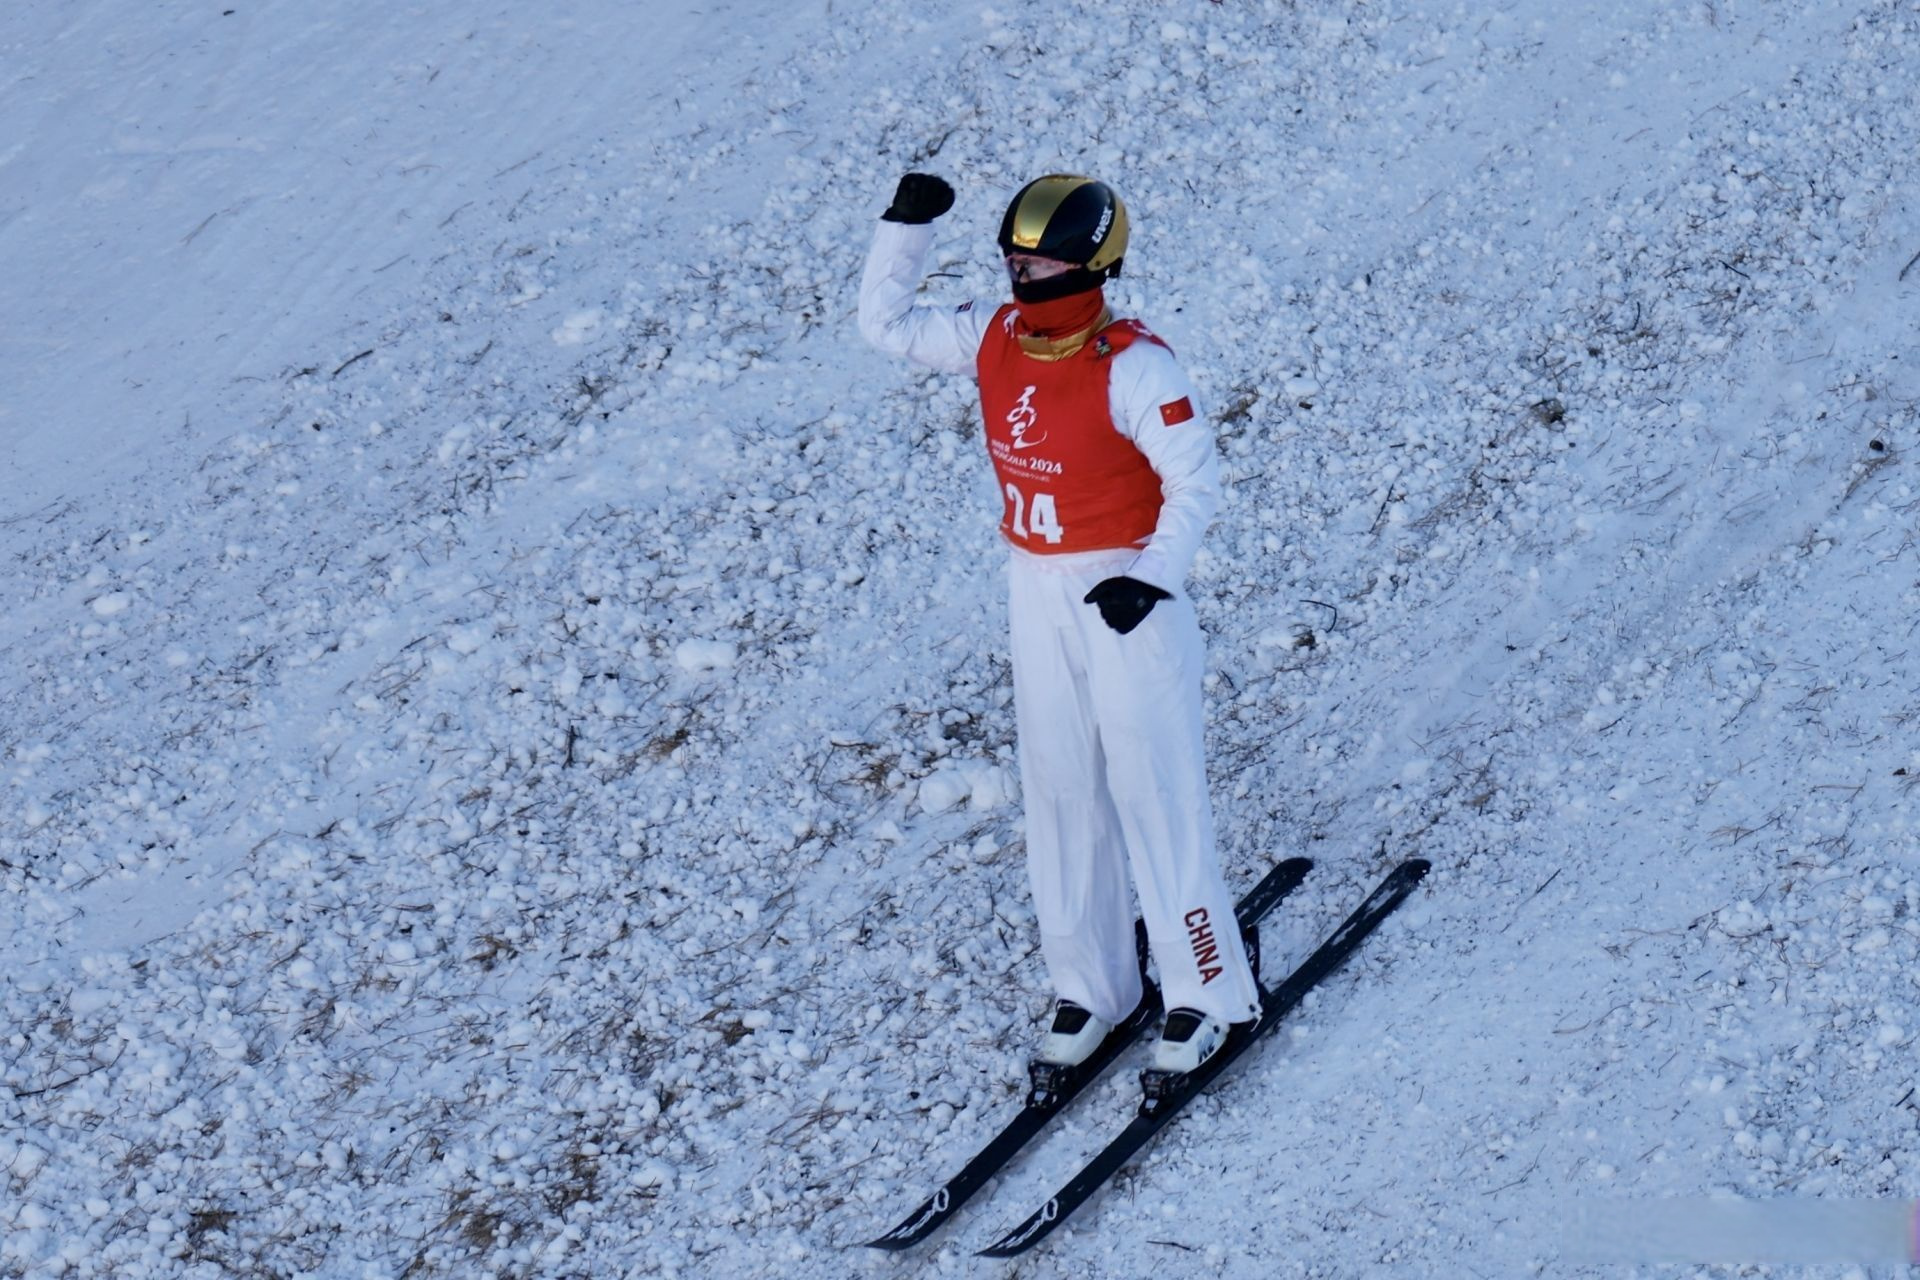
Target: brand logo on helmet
x=1100, y=228
x=1022, y=418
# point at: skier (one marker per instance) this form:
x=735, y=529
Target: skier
x=1108, y=478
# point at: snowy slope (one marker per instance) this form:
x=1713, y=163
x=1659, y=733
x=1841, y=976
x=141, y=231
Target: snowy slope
x=535, y=798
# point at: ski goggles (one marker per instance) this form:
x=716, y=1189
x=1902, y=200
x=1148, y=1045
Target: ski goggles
x=1024, y=267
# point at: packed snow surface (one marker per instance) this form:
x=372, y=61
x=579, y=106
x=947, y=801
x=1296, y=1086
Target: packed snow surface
x=506, y=739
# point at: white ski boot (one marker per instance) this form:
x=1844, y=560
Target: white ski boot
x=1073, y=1037
x=1188, y=1039
x=1072, y=1046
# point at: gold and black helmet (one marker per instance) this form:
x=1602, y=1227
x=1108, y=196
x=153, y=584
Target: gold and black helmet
x=1068, y=218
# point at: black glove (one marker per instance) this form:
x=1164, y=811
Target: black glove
x=921, y=197
x=1124, y=602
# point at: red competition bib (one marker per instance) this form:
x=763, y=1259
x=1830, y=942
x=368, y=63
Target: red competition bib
x=1070, y=480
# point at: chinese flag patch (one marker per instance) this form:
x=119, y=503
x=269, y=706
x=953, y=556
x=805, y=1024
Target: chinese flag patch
x=1179, y=411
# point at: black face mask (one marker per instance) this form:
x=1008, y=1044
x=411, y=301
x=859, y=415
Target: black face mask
x=1078, y=280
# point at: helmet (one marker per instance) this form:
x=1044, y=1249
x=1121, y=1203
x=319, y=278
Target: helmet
x=1072, y=219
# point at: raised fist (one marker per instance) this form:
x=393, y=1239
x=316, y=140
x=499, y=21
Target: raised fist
x=920, y=198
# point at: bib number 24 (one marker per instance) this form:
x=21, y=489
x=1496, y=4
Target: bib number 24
x=1038, y=519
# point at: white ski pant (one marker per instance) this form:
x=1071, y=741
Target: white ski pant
x=1113, y=770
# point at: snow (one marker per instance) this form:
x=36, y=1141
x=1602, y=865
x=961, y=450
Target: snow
x=506, y=733
x=703, y=655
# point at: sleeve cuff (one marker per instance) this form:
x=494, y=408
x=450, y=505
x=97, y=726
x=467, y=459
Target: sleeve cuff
x=1154, y=570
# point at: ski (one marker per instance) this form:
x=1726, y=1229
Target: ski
x=1162, y=1105
x=1052, y=1091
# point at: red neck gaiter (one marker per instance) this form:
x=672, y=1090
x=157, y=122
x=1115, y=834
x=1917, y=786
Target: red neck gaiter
x=1061, y=316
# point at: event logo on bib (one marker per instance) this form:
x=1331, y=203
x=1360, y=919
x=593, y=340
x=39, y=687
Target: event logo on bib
x=1022, y=418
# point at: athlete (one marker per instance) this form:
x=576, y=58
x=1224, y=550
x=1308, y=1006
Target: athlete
x=1108, y=479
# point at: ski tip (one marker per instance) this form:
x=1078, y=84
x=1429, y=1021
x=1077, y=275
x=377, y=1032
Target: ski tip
x=1416, y=868
x=1028, y=1234
x=914, y=1228
x=917, y=1226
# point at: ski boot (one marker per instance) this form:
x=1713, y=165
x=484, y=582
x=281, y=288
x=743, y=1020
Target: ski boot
x=1074, y=1036
x=1190, y=1037
x=1079, y=1046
